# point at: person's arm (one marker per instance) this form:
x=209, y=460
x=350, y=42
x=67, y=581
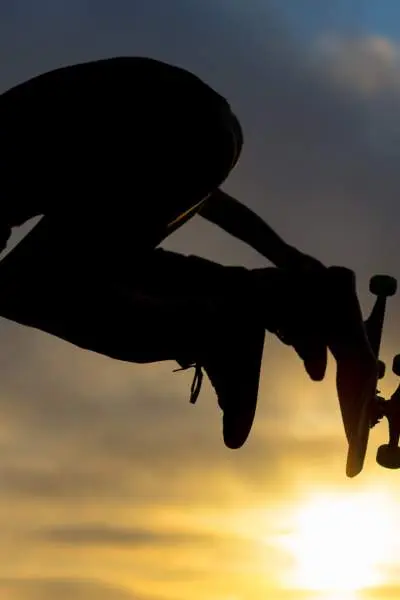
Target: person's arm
x=5, y=233
x=242, y=223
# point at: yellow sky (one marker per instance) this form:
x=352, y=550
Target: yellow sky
x=91, y=506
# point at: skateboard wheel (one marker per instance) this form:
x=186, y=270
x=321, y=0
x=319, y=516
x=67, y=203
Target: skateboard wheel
x=396, y=365
x=382, y=368
x=388, y=457
x=383, y=285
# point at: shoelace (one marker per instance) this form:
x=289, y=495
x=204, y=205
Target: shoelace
x=197, y=380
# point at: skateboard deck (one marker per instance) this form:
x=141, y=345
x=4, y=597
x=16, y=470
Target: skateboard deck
x=358, y=442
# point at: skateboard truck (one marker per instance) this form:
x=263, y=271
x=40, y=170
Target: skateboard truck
x=388, y=455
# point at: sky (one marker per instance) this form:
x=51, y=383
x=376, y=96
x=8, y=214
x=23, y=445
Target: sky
x=112, y=486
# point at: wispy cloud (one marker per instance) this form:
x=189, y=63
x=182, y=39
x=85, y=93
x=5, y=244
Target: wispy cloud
x=48, y=589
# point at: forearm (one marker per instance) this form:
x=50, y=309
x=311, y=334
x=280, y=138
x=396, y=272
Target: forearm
x=5, y=233
x=241, y=222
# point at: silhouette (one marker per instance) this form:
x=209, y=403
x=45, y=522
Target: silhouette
x=117, y=154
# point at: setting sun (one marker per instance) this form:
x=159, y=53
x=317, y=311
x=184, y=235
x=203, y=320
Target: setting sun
x=339, y=542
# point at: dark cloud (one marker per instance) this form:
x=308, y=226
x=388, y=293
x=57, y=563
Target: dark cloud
x=107, y=535
x=100, y=535
x=49, y=589
x=32, y=482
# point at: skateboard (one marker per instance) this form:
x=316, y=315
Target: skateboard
x=377, y=408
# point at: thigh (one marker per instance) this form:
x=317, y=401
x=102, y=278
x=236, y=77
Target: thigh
x=157, y=311
x=44, y=288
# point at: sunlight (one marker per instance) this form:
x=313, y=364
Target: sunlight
x=339, y=542
x=338, y=595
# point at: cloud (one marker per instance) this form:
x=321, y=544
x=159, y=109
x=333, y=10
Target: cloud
x=366, y=64
x=87, y=444
x=36, y=482
x=94, y=427
x=48, y=589
x=105, y=535
x=320, y=159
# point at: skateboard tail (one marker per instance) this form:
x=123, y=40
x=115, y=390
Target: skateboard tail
x=358, y=441
x=358, y=445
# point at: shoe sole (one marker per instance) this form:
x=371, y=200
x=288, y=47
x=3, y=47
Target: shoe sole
x=238, y=417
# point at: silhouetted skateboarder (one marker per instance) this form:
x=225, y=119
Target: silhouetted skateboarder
x=117, y=154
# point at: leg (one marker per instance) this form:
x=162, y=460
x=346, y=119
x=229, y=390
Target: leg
x=192, y=311
x=157, y=318
x=43, y=288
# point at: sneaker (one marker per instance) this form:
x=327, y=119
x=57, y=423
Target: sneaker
x=293, y=311
x=232, y=363
x=320, y=311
